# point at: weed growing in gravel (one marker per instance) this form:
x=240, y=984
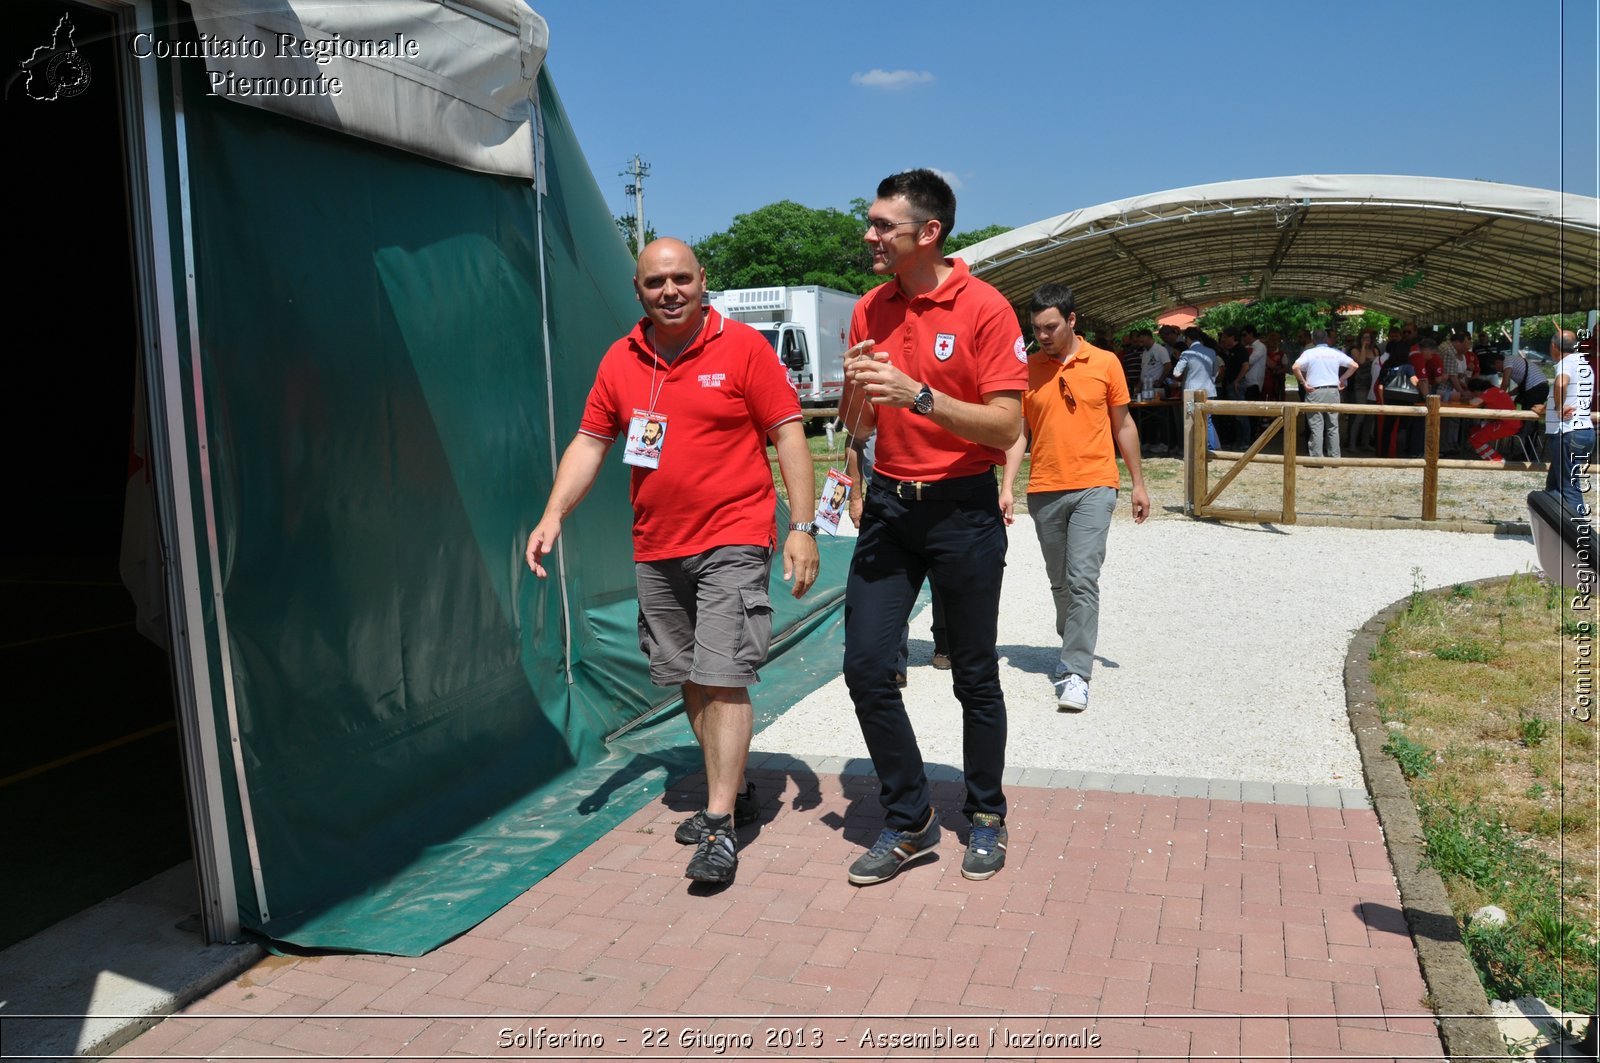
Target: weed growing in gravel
x=1503, y=774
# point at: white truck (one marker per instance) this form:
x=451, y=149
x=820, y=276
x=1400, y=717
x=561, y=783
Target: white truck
x=807, y=326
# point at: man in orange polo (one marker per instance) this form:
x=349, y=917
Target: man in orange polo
x=1075, y=407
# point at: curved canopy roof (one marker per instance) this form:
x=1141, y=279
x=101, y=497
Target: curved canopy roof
x=1431, y=249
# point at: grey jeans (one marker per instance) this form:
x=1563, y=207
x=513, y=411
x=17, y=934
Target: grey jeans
x=1315, y=422
x=1072, y=527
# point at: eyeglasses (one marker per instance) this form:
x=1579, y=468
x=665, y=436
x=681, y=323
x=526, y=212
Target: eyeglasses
x=1066, y=395
x=883, y=226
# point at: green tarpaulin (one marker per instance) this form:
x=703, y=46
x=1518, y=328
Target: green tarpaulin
x=380, y=422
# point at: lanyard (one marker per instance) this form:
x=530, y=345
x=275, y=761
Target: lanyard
x=655, y=388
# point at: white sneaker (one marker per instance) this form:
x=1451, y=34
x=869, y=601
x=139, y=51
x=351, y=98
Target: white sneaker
x=1072, y=693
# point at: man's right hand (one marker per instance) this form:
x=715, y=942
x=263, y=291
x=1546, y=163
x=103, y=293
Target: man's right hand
x=540, y=544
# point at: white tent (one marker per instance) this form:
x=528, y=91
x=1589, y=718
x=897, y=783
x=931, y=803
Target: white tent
x=1434, y=249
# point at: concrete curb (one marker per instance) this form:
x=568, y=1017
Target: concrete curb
x=1466, y=1026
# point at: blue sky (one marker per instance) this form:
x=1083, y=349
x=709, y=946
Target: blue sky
x=1037, y=107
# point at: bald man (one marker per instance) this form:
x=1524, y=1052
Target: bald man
x=703, y=508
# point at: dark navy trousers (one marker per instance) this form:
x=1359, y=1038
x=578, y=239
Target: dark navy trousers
x=960, y=540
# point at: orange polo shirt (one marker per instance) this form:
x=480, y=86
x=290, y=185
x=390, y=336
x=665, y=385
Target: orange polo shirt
x=1073, y=446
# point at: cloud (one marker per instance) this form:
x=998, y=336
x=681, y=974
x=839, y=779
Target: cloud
x=949, y=178
x=891, y=79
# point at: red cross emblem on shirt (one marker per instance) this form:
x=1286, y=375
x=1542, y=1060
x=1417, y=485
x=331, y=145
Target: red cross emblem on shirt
x=944, y=346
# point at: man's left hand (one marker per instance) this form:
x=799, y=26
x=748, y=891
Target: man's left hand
x=1140, y=500
x=800, y=562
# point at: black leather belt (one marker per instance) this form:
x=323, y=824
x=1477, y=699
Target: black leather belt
x=933, y=490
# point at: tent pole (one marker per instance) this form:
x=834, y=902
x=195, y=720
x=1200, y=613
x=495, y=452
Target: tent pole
x=209, y=509
x=549, y=372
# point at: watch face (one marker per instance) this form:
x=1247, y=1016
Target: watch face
x=924, y=401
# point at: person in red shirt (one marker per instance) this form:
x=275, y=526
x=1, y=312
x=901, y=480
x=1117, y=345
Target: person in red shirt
x=1483, y=393
x=1428, y=368
x=937, y=365
x=703, y=505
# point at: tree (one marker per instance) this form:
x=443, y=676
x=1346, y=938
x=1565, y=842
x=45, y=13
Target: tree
x=626, y=225
x=956, y=241
x=787, y=243
x=1536, y=331
x=1285, y=316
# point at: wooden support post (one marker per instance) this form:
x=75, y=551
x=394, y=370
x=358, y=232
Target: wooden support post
x=1186, y=415
x=1291, y=444
x=1430, y=462
x=1195, y=422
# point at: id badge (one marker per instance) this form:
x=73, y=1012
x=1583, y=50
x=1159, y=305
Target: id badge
x=835, y=497
x=647, y=436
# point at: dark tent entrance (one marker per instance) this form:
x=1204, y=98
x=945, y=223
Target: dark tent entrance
x=91, y=780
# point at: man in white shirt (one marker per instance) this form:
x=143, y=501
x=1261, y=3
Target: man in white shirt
x=1154, y=363
x=1532, y=387
x=1322, y=371
x=1255, y=367
x=1198, y=367
x=1566, y=422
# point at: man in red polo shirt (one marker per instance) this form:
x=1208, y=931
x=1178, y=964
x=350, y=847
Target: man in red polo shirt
x=696, y=397
x=937, y=365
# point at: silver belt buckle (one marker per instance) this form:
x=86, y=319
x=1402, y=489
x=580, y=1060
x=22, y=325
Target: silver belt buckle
x=918, y=485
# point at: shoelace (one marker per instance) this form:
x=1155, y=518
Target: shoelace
x=985, y=839
x=887, y=841
x=717, y=844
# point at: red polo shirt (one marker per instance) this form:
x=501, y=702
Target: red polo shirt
x=721, y=397
x=1427, y=364
x=960, y=339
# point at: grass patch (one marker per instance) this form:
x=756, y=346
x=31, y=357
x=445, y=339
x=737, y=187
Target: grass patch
x=1464, y=651
x=1477, y=683
x=1414, y=758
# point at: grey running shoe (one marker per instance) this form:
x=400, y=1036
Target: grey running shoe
x=715, y=860
x=893, y=850
x=746, y=810
x=986, y=849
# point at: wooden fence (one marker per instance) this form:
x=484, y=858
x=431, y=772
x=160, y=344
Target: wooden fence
x=1199, y=495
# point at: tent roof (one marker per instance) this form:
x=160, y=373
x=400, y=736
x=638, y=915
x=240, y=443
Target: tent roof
x=451, y=80
x=1426, y=248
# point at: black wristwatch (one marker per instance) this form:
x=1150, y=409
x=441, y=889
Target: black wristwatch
x=923, y=403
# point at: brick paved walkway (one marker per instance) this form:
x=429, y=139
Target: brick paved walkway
x=1150, y=927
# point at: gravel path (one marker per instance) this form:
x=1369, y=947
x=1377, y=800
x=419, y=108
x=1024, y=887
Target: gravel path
x=1221, y=652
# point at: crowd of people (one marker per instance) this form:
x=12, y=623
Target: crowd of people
x=1400, y=366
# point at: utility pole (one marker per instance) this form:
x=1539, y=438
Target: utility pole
x=637, y=169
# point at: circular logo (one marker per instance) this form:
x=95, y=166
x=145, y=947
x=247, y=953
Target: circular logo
x=68, y=74
x=1020, y=349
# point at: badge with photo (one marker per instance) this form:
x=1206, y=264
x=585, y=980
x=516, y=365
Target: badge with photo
x=835, y=497
x=647, y=437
